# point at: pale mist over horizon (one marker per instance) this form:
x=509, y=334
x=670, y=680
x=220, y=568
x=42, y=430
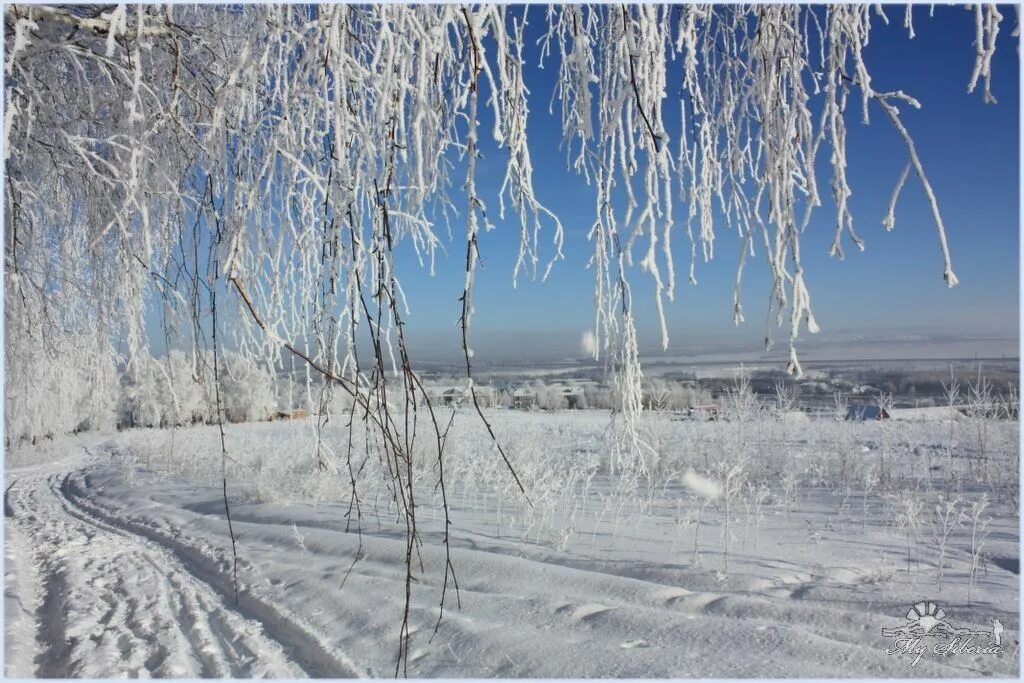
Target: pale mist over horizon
x=995, y=338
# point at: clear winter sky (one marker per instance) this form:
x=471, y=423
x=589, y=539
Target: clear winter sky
x=971, y=154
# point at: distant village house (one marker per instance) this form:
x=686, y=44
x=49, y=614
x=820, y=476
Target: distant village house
x=865, y=413
x=524, y=398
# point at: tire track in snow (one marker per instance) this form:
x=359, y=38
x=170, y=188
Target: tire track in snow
x=115, y=603
x=299, y=641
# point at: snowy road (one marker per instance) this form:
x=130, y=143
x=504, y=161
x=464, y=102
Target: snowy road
x=112, y=603
x=112, y=572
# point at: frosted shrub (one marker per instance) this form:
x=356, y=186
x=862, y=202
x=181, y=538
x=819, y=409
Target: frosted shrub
x=949, y=515
x=979, y=534
x=697, y=520
x=733, y=483
x=790, y=491
x=980, y=408
x=951, y=392
x=754, y=500
x=885, y=403
x=869, y=482
x=909, y=508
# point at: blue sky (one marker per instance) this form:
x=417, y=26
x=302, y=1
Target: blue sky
x=970, y=151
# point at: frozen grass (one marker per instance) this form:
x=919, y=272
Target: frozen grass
x=893, y=480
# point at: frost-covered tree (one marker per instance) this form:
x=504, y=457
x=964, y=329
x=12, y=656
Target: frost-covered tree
x=67, y=382
x=185, y=393
x=255, y=169
x=140, y=398
x=166, y=392
x=247, y=390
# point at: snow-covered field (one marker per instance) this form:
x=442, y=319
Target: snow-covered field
x=753, y=547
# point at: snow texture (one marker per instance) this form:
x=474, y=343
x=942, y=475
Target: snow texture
x=119, y=565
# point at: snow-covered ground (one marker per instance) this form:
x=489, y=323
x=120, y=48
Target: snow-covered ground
x=118, y=559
